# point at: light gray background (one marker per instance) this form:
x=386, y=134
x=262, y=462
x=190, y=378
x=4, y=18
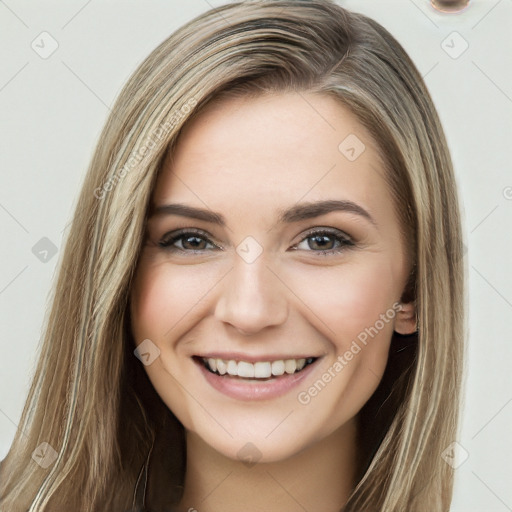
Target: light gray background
x=52, y=110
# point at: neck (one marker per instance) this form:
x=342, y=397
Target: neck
x=320, y=477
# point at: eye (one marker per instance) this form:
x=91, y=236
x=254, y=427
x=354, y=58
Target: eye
x=187, y=241
x=325, y=242
x=322, y=241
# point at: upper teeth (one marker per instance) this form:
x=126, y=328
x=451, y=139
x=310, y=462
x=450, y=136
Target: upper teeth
x=262, y=370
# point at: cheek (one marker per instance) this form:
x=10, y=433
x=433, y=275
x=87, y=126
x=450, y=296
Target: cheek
x=165, y=303
x=163, y=296
x=352, y=306
x=348, y=299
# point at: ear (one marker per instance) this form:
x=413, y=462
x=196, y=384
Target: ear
x=405, y=322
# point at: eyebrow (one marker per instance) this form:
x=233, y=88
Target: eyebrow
x=296, y=213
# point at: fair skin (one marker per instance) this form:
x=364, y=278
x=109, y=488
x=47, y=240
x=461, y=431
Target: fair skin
x=248, y=160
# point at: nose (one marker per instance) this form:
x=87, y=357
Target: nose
x=252, y=298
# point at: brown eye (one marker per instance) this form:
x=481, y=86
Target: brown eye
x=186, y=241
x=321, y=242
x=193, y=242
x=325, y=242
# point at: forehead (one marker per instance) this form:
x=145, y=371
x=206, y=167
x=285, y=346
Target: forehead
x=273, y=150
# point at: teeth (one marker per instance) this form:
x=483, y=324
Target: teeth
x=290, y=365
x=246, y=370
x=278, y=367
x=221, y=366
x=232, y=368
x=262, y=370
x=259, y=370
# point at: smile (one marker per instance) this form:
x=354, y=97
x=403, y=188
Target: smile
x=259, y=380
x=258, y=370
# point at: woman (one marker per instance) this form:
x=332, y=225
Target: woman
x=260, y=301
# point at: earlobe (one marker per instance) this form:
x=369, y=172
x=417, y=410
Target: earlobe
x=406, y=322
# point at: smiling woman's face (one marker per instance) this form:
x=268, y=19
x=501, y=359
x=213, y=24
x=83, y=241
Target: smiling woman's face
x=269, y=241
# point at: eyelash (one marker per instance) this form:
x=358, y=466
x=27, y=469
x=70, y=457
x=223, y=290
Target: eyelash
x=345, y=242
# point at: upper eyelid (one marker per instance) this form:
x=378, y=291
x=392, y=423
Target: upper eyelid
x=177, y=234
x=330, y=231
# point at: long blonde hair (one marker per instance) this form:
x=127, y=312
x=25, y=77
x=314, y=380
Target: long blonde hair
x=91, y=401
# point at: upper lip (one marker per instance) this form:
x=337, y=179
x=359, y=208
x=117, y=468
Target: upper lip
x=238, y=356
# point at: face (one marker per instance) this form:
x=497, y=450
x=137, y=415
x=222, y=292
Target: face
x=273, y=246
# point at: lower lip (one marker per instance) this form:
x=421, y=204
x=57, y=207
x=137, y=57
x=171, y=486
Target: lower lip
x=248, y=390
